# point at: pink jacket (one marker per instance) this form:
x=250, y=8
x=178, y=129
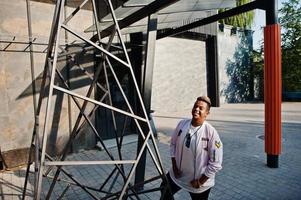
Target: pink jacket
x=202, y=153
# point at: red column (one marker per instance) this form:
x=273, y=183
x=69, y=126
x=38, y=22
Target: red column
x=272, y=92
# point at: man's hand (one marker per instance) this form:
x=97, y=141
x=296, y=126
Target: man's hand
x=175, y=169
x=196, y=183
x=176, y=172
x=203, y=179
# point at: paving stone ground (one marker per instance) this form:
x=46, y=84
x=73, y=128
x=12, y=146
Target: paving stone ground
x=244, y=174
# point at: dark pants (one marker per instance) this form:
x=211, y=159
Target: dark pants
x=166, y=195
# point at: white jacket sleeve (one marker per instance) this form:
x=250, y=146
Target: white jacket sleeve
x=174, y=138
x=215, y=155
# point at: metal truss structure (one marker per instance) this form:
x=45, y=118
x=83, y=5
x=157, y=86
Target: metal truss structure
x=54, y=81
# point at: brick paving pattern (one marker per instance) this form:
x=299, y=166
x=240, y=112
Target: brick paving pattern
x=244, y=174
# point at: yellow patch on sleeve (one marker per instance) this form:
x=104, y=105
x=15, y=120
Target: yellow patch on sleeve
x=218, y=144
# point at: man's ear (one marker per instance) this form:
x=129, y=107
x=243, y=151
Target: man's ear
x=208, y=111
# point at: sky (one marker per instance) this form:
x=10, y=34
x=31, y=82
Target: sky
x=259, y=23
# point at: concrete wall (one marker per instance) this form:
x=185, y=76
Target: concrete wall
x=227, y=44
x=180, y=69
x=16, y=116
x=231, y=49
x=179, y=74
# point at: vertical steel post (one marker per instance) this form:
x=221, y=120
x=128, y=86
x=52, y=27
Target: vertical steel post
x=48, y=106
x=272, y=84
x=146, y=89
x=212, y=70
x=68, y=79
x=35, y=135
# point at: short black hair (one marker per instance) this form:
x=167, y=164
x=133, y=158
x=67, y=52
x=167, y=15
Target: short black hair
x=205, y=99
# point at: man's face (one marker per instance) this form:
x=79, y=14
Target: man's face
x=200, y=110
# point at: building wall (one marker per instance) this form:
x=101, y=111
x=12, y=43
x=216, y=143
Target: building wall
x=16, y=116
x=233, y=52
x=179, y=74
x=180, y=69
x=227, y=44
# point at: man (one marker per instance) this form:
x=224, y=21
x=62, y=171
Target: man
x=196, y=154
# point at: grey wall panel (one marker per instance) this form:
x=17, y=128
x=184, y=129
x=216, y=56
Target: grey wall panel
x=228, y=47
x=179, y=74
x=17, y=118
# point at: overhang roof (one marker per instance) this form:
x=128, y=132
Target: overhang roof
x=174, y=15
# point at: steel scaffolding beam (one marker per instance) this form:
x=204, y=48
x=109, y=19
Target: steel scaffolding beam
x=54, y=81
